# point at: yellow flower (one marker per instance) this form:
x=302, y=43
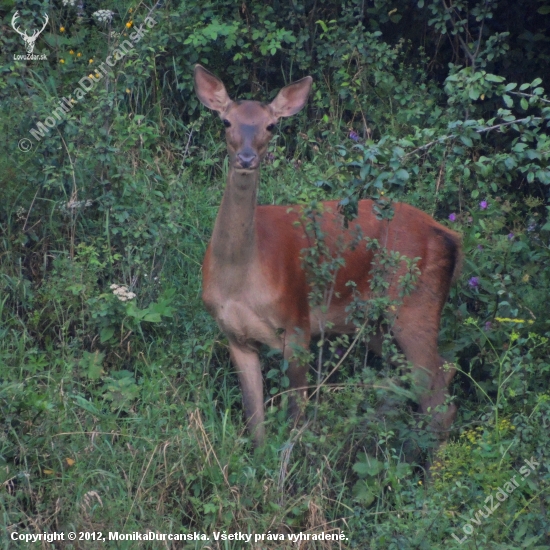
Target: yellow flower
x=90, y=75
x=127, y=90
x=129, y=24
x=78, y=54
x=508, y=320
x=61, y=61
x=91, y=61
x=61, y=29
x=71, y=52
x=130, y=10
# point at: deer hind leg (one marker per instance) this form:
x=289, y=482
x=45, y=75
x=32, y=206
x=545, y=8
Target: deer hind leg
x=297, y=375
x=298, y=396
x=417, y=338
x=247, y=363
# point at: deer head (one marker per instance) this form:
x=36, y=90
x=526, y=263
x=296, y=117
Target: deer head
x=249, y=124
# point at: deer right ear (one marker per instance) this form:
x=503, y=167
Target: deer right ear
x=292, y=98
x=210, y=90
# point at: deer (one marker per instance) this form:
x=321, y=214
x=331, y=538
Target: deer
x=255, y=285
x=29, y=40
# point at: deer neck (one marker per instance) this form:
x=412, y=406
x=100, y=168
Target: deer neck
x=234, y=237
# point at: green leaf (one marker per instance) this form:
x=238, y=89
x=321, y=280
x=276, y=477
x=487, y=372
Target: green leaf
x=135, y=312
x=370, y=467
x=467, y=141
x=510, y=86
x=524, y=104
x=152, y=317
x=494, y=78
x=519, y=147
x=544, y=10
x=474, y=93
x=362, y=493
x=323, y=25
x=402, y=174
x=510, y=162
x=106, y=334
x=93, y=364
x=365, y=171
x=508, y=100
x=86, y=405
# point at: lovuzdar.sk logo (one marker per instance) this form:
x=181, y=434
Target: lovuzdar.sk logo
x=29, y=40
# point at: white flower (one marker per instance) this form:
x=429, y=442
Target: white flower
x=122, y=292
x=103, y=16
x=78, y=204
x=69, y=2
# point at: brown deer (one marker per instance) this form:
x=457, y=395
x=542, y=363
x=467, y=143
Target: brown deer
x=254, y=280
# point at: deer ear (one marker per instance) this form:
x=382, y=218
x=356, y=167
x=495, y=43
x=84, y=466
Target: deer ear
x=292, y=98
x=210, y=90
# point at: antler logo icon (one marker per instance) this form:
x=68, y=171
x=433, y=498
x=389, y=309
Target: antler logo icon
x=29, y=40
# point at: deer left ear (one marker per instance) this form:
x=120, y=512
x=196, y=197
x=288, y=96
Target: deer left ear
x=292, y=98
x=210, y=90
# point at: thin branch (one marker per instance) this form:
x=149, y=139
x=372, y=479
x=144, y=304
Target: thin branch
x=529, y=95
x=526, y=119
x=479, y=131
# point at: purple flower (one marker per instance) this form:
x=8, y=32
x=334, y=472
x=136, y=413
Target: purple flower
x=354, y=135
x=270, y=157
x=488, y=325
x=483, y=205
x=532, y=226
x=473, y=282
x=452, y=217
x=480, y=247
x=510, y=236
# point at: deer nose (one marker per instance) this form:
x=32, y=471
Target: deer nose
x=246, y=159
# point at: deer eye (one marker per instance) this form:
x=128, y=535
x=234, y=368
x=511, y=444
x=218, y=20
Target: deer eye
x=270, y=128
x=226, y=123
